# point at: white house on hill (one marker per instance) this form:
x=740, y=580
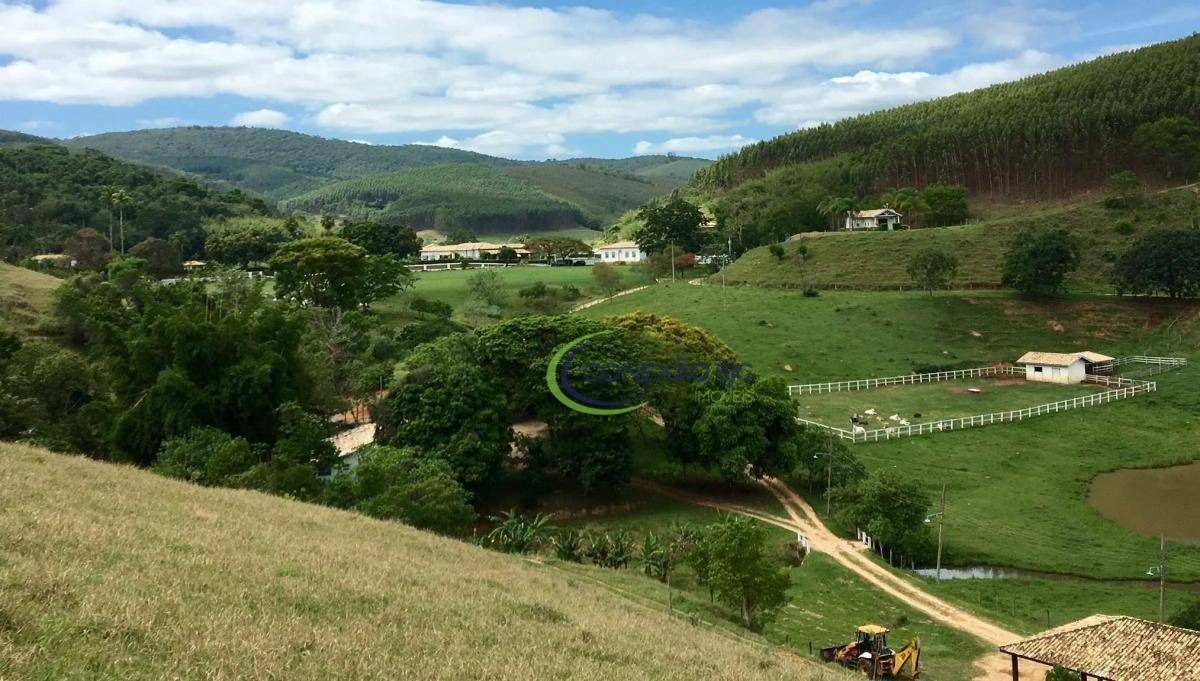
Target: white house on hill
x=879, y=218
x=1058, y=367
x=622, y=251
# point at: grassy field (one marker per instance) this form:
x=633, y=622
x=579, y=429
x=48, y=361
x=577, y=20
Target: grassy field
x=1017, y=493
x=113, y=572
x=879, y=260
x=934, y=401
x=451, y=286
x=26, y=298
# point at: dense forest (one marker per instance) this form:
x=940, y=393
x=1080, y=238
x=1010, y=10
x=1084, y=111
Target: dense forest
x=603, y=194
x=48, y=193
x=1046, y=135
x=276, y=163
x=474, y=197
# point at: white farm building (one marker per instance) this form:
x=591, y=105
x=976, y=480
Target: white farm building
x=879, y=218
x=622, y=251
x=1058, y=367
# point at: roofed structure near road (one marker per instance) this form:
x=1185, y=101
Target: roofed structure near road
x=1105, y=647
x=873, y=213
x=1061, y=359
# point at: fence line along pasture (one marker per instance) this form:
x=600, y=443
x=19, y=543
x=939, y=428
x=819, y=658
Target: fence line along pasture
x=1120, y=388
x=931, y=377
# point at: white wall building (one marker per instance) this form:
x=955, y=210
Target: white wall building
x=1057, y=367
x=473, y=250
x=620, y=252
x=879, y=218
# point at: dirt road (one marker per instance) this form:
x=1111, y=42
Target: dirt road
x=854, y=556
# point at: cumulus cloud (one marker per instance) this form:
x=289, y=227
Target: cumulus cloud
x=692, y=145
x=262, y=118
x=501, y=78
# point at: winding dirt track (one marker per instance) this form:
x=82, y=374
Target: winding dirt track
x=854, y=556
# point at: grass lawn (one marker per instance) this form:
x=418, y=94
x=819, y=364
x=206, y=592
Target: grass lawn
x=450, y=286
x=110, y=572
x=934, y=401
x=26, y=299
x=879, y=260
x=1017, y=493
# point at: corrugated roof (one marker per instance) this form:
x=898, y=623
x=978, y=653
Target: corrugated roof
x=873, y=213
x=1061, y=359
x=468, y=246
x=1116, y=648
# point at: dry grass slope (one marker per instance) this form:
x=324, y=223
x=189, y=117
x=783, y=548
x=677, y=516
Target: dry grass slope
x=112, y=572
x=26, y=298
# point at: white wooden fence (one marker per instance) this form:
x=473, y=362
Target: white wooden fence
x=454, y=265
x=1121, y=388
x=933, y=377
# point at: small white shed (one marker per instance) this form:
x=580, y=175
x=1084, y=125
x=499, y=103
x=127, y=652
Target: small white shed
x=879, y=218
x=1058, y=367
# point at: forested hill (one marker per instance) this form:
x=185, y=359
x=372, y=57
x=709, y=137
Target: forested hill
x=1046, y=135
x=10, y=138
x=50, y=192
x=275, y=163
x=465, y=196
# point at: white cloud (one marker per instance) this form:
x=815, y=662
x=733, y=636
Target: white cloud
x=868, y=90
x=262, y=118
x=510, y=144
x=502, y=79
x=693, y=144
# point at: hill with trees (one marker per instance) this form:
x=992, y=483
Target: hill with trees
x=275, y=163
x=51, y=192
x=467, y=196
x=1042, y=136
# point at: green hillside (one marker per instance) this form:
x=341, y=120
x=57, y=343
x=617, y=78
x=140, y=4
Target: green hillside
x=1045, y=135
x=10, y=138
x=50, y=192
x=26, y=299
x=663, y=166
x=471, y=196
x=879, y=260
x=602, y=195
x=276, y=163
x=116, y=573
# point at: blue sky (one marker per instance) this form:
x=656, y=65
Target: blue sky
x=532, y=80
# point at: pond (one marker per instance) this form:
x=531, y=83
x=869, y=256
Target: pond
x=1152, y=501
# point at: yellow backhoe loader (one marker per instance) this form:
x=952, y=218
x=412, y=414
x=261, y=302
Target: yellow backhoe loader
x=870, y=655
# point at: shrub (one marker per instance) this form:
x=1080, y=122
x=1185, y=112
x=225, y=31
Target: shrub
x=435, y=308
x=205, y=456
x=811, y=291
x=568, y=546
x=517, y=534
x=777, y=251
x=1123, y=227
x=1037, y=263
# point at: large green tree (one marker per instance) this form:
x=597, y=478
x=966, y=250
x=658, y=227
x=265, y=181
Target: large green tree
x=891, y=507
x=1166, y=261
x=378, y=238
x=674, y=223
x=932, y=268
x=1037, y=263
x=162, y=257
x=735, y=559
x=331, y=272
x=404, y=484
x=749, y=427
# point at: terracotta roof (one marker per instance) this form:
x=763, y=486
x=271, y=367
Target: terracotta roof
x=1116, y=648
x=873, y=213
x=619, y=244
x=1061, y=359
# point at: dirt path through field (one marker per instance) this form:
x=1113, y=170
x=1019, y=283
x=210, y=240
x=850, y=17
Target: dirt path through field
x=855, y=557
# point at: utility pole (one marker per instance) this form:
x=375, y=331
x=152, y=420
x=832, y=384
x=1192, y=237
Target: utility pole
x=1162, y=578
x=941, y=525
x=828, y=471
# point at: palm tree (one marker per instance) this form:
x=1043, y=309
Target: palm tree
x=835, y=206
x=117, y=198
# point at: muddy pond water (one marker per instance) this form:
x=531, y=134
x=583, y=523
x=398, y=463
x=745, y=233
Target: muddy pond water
x=1151, y=501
